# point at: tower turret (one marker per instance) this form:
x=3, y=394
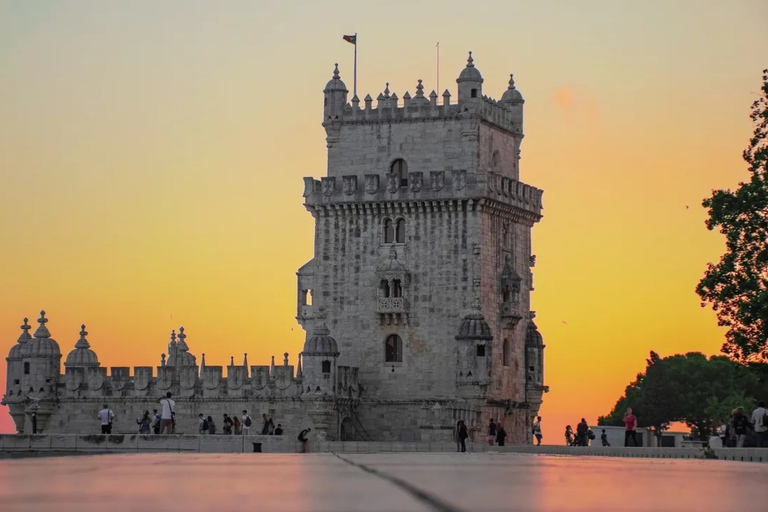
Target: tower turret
x=513, y=101
x=320, y=356
x=470, y=84
x=15, y=368
x=335, y=101
x=82, y=356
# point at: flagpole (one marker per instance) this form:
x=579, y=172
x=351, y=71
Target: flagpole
x=438, y=67
x=354, y=87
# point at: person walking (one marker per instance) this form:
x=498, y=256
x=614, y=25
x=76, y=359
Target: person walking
x=463, y=435
x=501, y=435
x=166, y=421
x=760, y=424
x=537, y=430
x=246, y=423
x=156, y=421
x=491, y=432
x=630, y=424
x=106, y=416
x=604, y=439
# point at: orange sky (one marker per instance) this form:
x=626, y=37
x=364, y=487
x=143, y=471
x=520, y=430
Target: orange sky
x=151, y=157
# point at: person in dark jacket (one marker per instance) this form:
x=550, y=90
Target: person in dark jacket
x=582, y=431
x=740, y=426
x=501, y=434
x=491, y=432
x=463, y=435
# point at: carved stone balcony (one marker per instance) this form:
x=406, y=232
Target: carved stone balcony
x=392, y=305
x=509, y=315
x=392, y=310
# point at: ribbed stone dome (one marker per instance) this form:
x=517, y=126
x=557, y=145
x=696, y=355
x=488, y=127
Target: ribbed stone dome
x=512, y=95
x=533, y=337
x=82, y=356
x=474, y=327
x=183, y=357
x=335, y=83
x=41, y=345
x=16, y=350
x=470, y=73
x=321, y=343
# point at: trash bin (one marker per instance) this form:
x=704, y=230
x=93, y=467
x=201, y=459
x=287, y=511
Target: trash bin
x=257, y=448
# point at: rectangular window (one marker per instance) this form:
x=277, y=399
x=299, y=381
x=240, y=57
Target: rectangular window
x=481, y=351
x=16, y=382
x=474, y=93
x=26, y=368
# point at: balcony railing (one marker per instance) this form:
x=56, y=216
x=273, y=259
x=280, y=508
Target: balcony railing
x=392, y=305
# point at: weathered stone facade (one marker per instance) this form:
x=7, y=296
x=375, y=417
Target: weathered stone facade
x=416, y=303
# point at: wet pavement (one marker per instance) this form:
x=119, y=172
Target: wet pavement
x=406, y=482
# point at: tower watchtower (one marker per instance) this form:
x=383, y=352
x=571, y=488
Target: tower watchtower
x=422, y=260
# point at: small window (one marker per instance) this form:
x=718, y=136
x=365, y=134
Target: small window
x=15, y=382
x=474, y=93
x=393, y=349
x=326, y=367
x=384, y=288
x=397, y=289
x=481, y=351
x=26, y=368
x=306, y=297
x=389, y=231
x=505, y=293
x=400, y=231
x=400, y=169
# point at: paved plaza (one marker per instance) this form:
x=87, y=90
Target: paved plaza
x=378, y=482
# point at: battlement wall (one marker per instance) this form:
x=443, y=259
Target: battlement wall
x=434, y=186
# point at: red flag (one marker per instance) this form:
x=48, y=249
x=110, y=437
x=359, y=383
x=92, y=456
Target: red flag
x=351, y=39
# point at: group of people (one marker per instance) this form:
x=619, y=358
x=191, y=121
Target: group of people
x=734, y=432
x=238, y=426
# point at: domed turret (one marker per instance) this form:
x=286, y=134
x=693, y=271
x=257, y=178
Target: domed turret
x=470, y=82
x=474, y=348
x=82, y=356
x=321, y=343
x=16, y=350
x=335, y=97
x=512, y=95
x=183, y=357
x=474, y=327
x=41, y=344
x=534, y=355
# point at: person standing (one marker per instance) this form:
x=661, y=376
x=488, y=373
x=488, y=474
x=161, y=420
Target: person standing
x=144, y=423
x=760, y=424
x=463, y=435
x=227, y=425
x=740, y=427
x=537, y=430
x=202, y=427
x=456, y=435
x=630, y=424
x=604, y=439
x=491, y=432
x=265, y=428
x=236, y=424
x=106, y=416
x=582, y=430
x=279, y=430
x=166, y=421
x=246, y=423
x=156, y=421
x=304, y=439
x=568, y=436
x=501, y=434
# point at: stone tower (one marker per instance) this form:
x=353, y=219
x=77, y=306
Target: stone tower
x=422, y=260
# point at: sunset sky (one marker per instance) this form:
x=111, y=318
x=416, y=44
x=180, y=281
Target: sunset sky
x=151, y=156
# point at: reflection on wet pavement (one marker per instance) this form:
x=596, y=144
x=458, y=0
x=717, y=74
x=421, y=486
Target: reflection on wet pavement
x=378, y=482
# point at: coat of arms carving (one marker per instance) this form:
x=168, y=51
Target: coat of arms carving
x=416, y=181
x=437, y=179
x=349, y=185
x=459, y=179
x=371, y=183
x=329, y=185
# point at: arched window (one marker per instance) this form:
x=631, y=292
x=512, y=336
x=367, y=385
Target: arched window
x=400, y=231
x=393, y=349
x=400, y=169
x=397, y=288
x=495, y=160
x=389, y=231
x=505, y=292
x=384, y=288
x=507, y=350
x=326, y=367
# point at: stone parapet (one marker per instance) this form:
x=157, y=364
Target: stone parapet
x=62, y=444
